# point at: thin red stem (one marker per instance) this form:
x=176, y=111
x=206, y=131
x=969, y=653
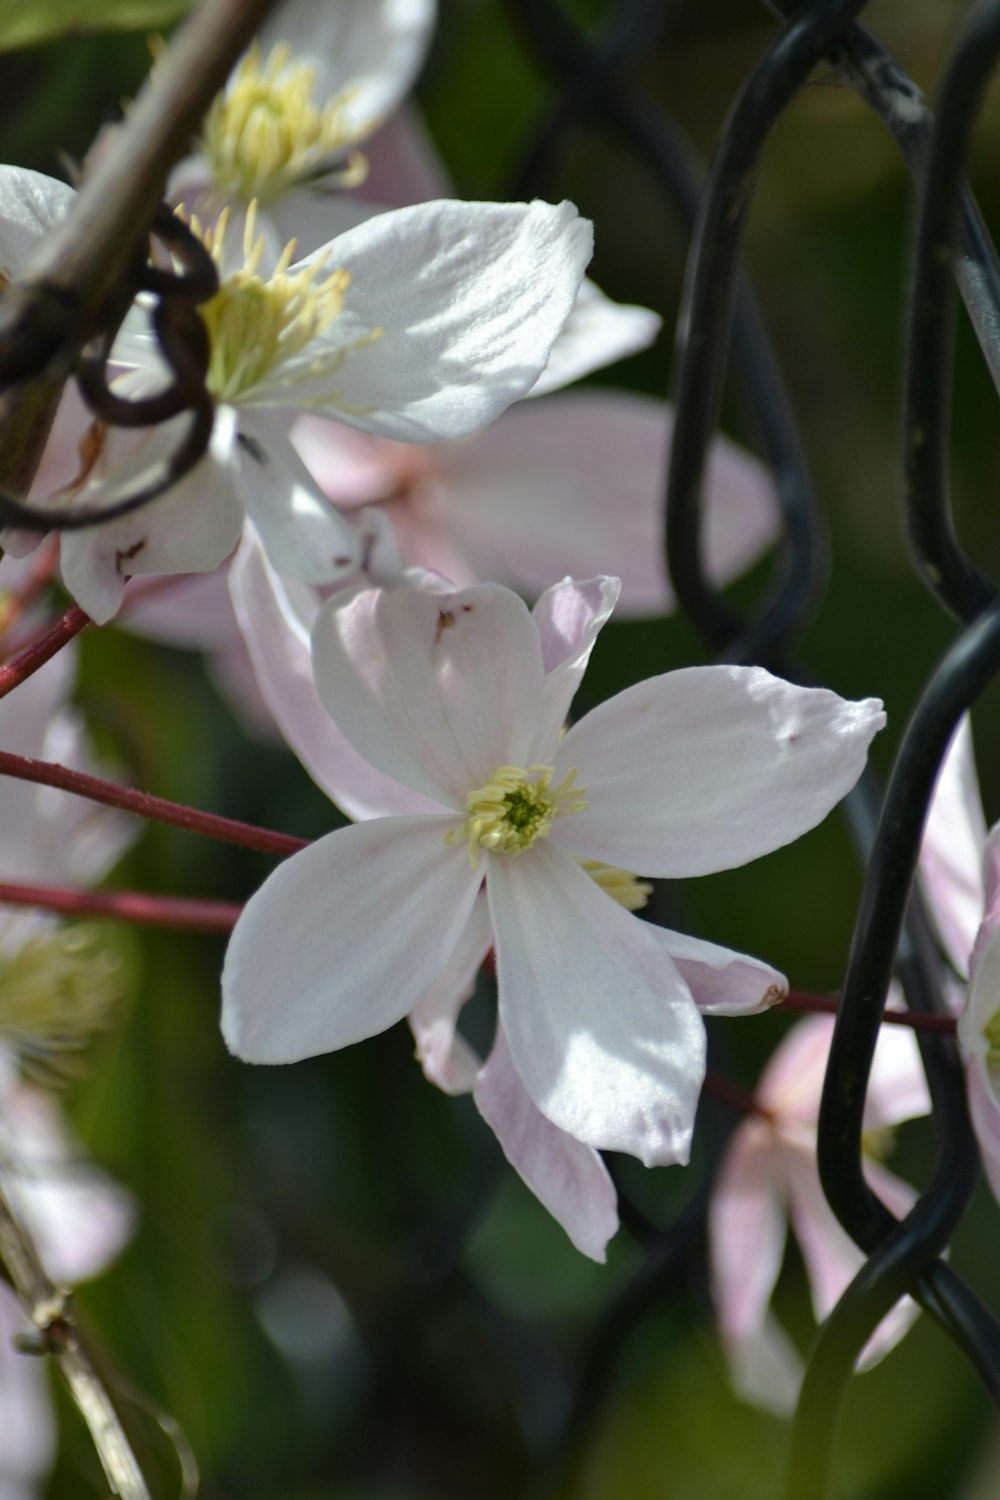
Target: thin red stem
x=733, y=1093
x=158, y=809
x=44, y=646
x=802, y=1000
x=184, y=912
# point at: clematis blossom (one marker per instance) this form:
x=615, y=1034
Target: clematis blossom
x=960, y=875
x=508, y=833
x=420, y=325
x=769, y=1179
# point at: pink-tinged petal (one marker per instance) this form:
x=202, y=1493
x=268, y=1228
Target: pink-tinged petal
x=437, y=690
x=601, y=1027
x=567, y=1177
x=446, y=1058
x=25, y=715
x=952, y=849
x=574, y=484
x=984, y=986
x=832, y=1259
x=276, y=616
x=79, y=1218
x=27, y=1419
x=194, y=612
x=345, y=938
x=468, y=298
x=897, y=1086
x=791, y=1084
x=746, y=1228
x=598, y=332
x=569, y=617
x=710, y=767
x=302, y=533
x=75, y=841
x=766, y=1368
x=351, y=468
x=984, y=1109
x=30, y=205
x=722, y=981
x=899, y=1198
x=403, y=164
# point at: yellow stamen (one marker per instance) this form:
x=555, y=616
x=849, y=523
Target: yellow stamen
x=56, y=991
x=260, y=328
x=877, y=1144
x=265, y=133
x=627, y=889
x=515, y=808
x=991, y=1031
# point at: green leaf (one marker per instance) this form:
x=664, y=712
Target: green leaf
x=25, y=25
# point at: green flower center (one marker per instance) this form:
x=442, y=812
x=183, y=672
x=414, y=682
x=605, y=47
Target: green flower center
x=515, y=808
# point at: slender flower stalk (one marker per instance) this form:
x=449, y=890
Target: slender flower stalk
x=157, y=809
x=184, y=913
x=44, y=646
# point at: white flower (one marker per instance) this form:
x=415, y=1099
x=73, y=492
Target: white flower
x=769, y=1177
x=960, y=874
x=459, y=698
x=420, y=325
x=319, y=79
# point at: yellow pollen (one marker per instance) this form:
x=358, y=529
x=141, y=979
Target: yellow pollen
x=260, y=329
x=56, y=991
x=991, y=1031
x=515, y=808
x=627, y=889
x=265, y=134
x=877, y=1144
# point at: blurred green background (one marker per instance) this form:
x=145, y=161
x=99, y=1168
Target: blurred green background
x=337, y=1288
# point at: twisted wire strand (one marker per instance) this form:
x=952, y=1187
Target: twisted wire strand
x=182, y=341
x=960, y=585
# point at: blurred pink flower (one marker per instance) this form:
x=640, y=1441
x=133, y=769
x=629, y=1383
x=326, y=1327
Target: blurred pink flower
x=769, y=1178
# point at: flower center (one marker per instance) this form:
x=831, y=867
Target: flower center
x=991, y=1031
x=56, y=991
x=261, y=329
x=515, y=808
x=265, y=134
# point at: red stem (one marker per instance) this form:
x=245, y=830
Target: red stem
x=182, y=912
x=44, y=645
x=228, y=830
x=801, y=1000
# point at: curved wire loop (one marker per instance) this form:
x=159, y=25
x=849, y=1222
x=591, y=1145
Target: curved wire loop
x=959, y=584
x=183, y=343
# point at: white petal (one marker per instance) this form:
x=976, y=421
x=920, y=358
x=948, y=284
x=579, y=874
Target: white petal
x=569, y=1178
x=276, y=616
x=984, y=987
x=344, y=938
x=436, y=690
x=305, y=537
x=403, y=164
x=575, y=484
x=190, y=529
x=985, y=1113
x=602, y=1029
x=30, y=205
x=791, y=1084
x=707, y=768
x=597, y=333
x=952, y=848
x=468, y=298
x=25, y=715
x=722, y=981
x=372, y=49
x=446, y=1058
x=569, y=617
